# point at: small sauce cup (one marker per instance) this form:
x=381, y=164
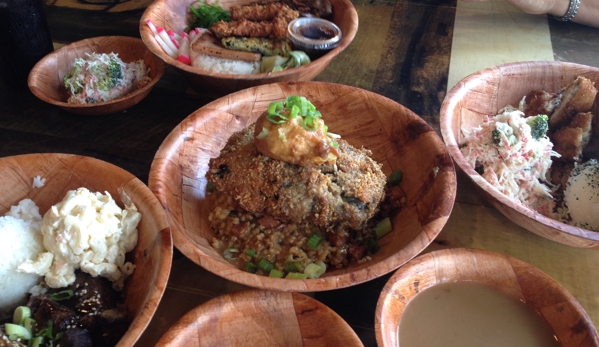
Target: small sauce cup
x=315, y=36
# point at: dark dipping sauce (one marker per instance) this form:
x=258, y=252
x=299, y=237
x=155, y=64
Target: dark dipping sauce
x=316, y=32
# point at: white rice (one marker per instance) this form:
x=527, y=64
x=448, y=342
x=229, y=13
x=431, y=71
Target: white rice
x=227, y=66
x=582, y=195
x=20, y=240
x=38, y=182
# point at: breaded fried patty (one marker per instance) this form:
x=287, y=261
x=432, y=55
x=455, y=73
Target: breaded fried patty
x=340, y=196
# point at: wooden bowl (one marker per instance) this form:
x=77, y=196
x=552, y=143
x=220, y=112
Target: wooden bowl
x=63, y=172
x=484, y=93
x=398, y=139
x=260, y=318
x=171, y=14
x=45, y=79
x=541, y=293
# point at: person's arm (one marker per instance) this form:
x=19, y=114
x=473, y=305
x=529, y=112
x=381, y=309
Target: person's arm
x=588, y=12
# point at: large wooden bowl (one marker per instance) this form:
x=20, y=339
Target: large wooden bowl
x=63, y=172
x=260, y=318
x=541, y=293
x=45, y=79
x=171, y=14
x=484, y=93
x=398, y=138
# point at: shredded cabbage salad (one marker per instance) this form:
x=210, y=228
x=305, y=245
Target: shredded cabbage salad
x=514, y=162
x=103, y=77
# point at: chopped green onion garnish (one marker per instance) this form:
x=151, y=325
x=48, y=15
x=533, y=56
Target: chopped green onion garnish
x=250, y=267
x=395, y=178
x=36, y=341
x=21, y=313
x=314, y=241
x=334, y=144
x=294, y=111
x=292, y=266
x=63, y=295
x=277, y=118
x=296, y=276
x=250, y=252
x=265, y=265
x=315, y=270
x=275, y=273
x=383, y=228
x=47, y=331
x=262, y=134
x=29, y=324
x=17, y=331
x=372, y=246
x=230, y=253
x=275, y=108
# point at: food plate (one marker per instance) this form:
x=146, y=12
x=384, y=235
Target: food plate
x=398, y=138
x=63, y=172
x=484, y=93
x=260, y=318
x=522, y=281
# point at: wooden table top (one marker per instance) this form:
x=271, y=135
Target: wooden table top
x=407, y=50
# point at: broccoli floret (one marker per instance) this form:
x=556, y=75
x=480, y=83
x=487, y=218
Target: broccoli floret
x=113, y=77
x=496, y=134
x=538, y=126
x=68, y=84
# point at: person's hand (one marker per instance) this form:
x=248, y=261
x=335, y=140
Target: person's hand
x=530, y=6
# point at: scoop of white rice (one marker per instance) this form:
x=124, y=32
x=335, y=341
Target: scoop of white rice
x=20, y=240
x=227, y=66
x=582, y=195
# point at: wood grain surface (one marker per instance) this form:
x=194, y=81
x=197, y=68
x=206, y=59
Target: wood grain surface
x=484, y=93
x=63, y=172
x=398, y=139
x=172, y=14
x=568, y=320
x=260, y=318
x=46, y=78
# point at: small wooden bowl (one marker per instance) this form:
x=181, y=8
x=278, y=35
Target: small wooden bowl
x=172, y=14
x=398, y=139
x=541, y=293
x=484, y=93
x=63, y=172
x=45, y=79
x=260, y=318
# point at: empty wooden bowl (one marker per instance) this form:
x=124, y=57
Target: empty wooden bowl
x=46, y=78
x=398, y=139
x=564, y=315
x=482, y=94
x=63, y=172
x=172, y=14
x=260, y=318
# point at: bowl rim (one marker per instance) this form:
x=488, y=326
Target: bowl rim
x=453, y=98
x=141, y=321
x=163, y=159
x=148, y=39
x=390, y=294
x=159, y=72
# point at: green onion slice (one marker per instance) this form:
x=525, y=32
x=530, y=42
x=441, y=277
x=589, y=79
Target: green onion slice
x=20, y=314
x=16, y=331
x=315, y=269
x=274, y=273
x=296, y=276
x=262, y=134
x=63, y=295
x=314, y=241
x=250, y=267
x=395, y=178
x=277, y=118
x=36, y=341
x=274, y=108
x=230, y=253
x=250, y=252
x=372, y=246
x=29, y=324
x=383, y=228
x=292, y=266
x=265, y=265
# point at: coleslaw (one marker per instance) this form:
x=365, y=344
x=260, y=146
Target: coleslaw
x=513, y=160
x=103, y=77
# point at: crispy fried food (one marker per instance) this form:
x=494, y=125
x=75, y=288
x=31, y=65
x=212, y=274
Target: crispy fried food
x=261, y=21
x=257, y=12
x=341, y=196
x=540, y=102
x=206, y=43
x=578, y=96
x=560, y=172
x=571, y=140
x=258, y=45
